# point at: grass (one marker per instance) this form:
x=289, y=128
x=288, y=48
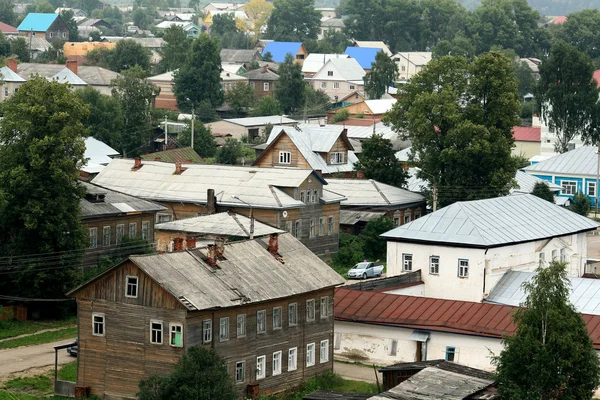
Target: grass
x=14, y=328
x=40, y=338
x=39, y=386
x=327, y=381
x=39, y=383
x=68, y=372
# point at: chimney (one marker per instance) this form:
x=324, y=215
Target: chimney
x=211, y=259
x=273, y=247
x=360, y=175
x=177, y=244
x=219, y=247
x=137, y=164
x=265, y=67
x=12, y=64
x=178, y=168
x=72, y=65
x=345, y=131
x=319, y=172
x=156, y=158
x=211, y=202
x=190, y=242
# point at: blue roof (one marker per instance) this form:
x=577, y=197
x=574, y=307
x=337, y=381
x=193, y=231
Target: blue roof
x=364, y=55
x=37, y=22
x=279, y=50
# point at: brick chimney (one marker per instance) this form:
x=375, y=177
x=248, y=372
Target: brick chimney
x=177, y=244
x=190, y=242
x=219, y=247
x=156, y=158
x=211, y=201
x=72, y=65
x=211, y=258
x=12, y=64
x=178, y=168
x=273, y=246
x=360, y=175
x=265, y=68
x=137, y=164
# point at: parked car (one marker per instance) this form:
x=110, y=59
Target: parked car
x=73, y=349
x=364, y=270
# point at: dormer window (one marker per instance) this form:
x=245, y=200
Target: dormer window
x=337, y=158
x=285, y=157
x=132, y=287
x=329, y=73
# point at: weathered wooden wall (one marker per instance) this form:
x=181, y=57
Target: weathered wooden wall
x=270, y=157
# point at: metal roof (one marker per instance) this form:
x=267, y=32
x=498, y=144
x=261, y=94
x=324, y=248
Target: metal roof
x=493, y=222
x=580, y=161
x=259, y=121
x=156, y=180
x=97, y=154
x=279, y=50
x=247, y=274
x=585, y=292
x=368, y=192
x=220, y=224
x=526, y=182
x=37, y=22
x=349, y=217
x=380, y=106
x=260, y=74
x=239, y=56
x=365, y=132
x=404, y=155
x=65, y=75
x=183, y=155
x=91, y=75
x=114, y=203
x=378, y=44
x=315, y=61
x=8, y=75
x=344, y=69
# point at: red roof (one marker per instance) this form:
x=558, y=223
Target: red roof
x=359, y=122
x=597, y=76
x=452, y=316
x=527, y=134
x=5, y=28
x=559, y=20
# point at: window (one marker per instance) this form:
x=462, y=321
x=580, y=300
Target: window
x=292, y=314
x=132, y=230
x=434, y=265
x=312, y=228
x=239, y=371
x=261, y=321
x=330, y=223
x=329, y=73
x=393, y=349
x=324, y=307
x=207, y=331
x=303, y=196
x=132, y=287
x=298, y=229
x=406, y=218
x=293, y=359
x=310, y=310
x=554, y=255
x=450, y=353
x=277, y=318
x=5, y=91
x=324, y=351
x=164, y=218
x=156, y=332
x=261, y=367
x=266, y=86
x=106, y=235
x=336, y=157
x=396, y=221
x=224, y=329
x=310, y=354
x=352, y=87
x=285, y=157
x=406, y=262
x=403, y=68
x=591, y=189
x=64, y=34
x=563, y=255
x=336, y=85
x=463, y=268
x=241, y=325
x=176, y=335
x=313, y=196
x=541, y=259
x=97, y=324
x=93, y=238
x=321, y=226
x=569, y=187
x=289, y=226
x=323, y=85
x=277, y=363
x=145, y=230
x=51, y=34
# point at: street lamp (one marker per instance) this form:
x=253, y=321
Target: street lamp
x=233, y=196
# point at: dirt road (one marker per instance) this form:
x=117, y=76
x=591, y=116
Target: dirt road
x=23, y=358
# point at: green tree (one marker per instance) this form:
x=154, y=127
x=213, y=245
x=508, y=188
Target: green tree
x=378, y=161
x=134, y=95
x=199, y=78
x=542, y=190
x=172, y=52
x=525, y=77
x=240, y=97
x=317, y=102
x=580, y=204
x=290, y=89
x=459, y=117
x=351, y=251
x=67, y=17
x=5, y=50
x=20, y=48
x=204, y=143
x=200, y=374
x=551, y=355
x=293, y=21
x=265, y=106
x=206, y=113
x=267, y=56
x=341, y=115
x=222, y=24
x=582, y=30
x=105, y=120
x=143, y=17
x=42, y=149
x=89, y=5
x=44, y=7
x=383, y=74
x=230, y=152
x=128, y=53
x=460, y=46
x=7, y=13
x=375, y=246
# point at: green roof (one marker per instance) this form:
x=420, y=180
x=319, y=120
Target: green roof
x=184, y=155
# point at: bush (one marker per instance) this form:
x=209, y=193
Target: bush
x=580, y=204
x=341, y=115
x=230, y=152
x=351, y=252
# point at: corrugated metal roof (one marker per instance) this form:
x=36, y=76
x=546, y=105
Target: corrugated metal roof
x=315, y=61
x=380, y=106
x=91, y=75
x=247, y=274
x=183, y=155
x=37, y=22
x=220, y=224
x=349, y=69
x=241, y=56
x=279, y=50
x=365, y=132
x=349, y=217
x=367, y=192
x=403, y=155
x=114, y=203
x=8, y=75
x=261, y=75
x=65, y=75
x=580, y=161
x=98, y=154
x=527, y=133
x=493, y=222
x=378, y=44
x=259, y=121
x=526, y=182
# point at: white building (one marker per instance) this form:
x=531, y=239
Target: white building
x=339, y=77
x=463, y=250
x=411, y=63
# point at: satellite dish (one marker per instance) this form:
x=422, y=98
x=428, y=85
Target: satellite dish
x=285, y=214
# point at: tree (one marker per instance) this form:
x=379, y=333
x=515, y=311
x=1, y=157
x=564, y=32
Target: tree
x=7, y=13
x=258, y=12
x=128, y=53
x=375, y=246
x=542, y=190
x=240, y=97
x=293, y=21
x=580, y=204
x=67, y=17
x=230, y=152
x=551, y=355
x=42, y=150
x=105, y=120
x=176, y=46
x=89, y=5
x=134, y=94
x=290, y=88
x=20, y=48
x=267, y=56
x=525, y=77
x=378, y=161
x=206, y=113
x=44, y=7
x=222, y=24
x=266, y=105
x=351, y=250
x=341, y=115
x=317, y=102
x=204, y=143
x=459, y=117
x=383, y=73
x=143, y=17
x=199, y=78
x=582, y=30
x=567, y=94
x=200, y=374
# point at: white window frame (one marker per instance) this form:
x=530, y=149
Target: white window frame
x=266, y=86
x=310, y=310
x=146, y=230
x=262, y=313
x=316, y=196
x=132, y=233
x=292, y=314
x=261, y=367
x=330, y=227
x=153, y=330
x=329, y=73
x=164, y=218
x=102, y=324
x=324, y=351
x=323, y=85
x=207, y=331
x=313, y=228
x=337, y=157
x=407, y=218
x=241, y=325
x=568, y=187
x=277, y=317
x=324, y=307
x=555, y=255
x=285, y=157
x=407, y=262
x=173, y=330
x=321, y=226
x=243, y=371
x=336, y=85
x=106, y=234
x=463, y=268
x=298, y=228
x=134, y=286
x=352, y=87
x=303, y=196
x=563, y=255
x=310, y=355
x=293, y=359
x=434, y=265
x=223, y=329
x=591, y=185
x=277, y=361
x=454, y=353
x=93, y=235
x=541, y=259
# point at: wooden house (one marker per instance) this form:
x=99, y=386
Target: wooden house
x=137, y=318
x=263, y=81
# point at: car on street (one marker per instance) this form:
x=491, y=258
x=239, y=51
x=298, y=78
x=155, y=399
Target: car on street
x=366, y=269
x=73, y=349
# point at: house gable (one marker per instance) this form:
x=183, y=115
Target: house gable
x=283, y=143
x=341, y=145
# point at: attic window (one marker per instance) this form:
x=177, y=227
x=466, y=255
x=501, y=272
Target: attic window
x=337, y=158
x=285, y=157
x=95, y=197
x=329, y=73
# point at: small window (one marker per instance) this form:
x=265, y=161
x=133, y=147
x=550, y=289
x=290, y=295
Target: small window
x=298, y=229
x=324, y=351
x=329, y=73
x=450, y=353
x=303, y=196
x=336, y=85
x=266, y=86
x=293, y=359
x=207, y=331
x=292, y=314
x=241, y=325
x=407, y=262
x=315, y=196
x=51, y=34
x=393, y=349
x=5, y=91
x=146, y=230
x=311, y=233
x=106, y=236
x=337, y=157
x=132, y=230
x=321, y=226
x=310, y=310
x=132, y=287
x=277, y=318
x=97, y=324
x=330, y=229
x=176, y=335
x=563, y=255
x=542, y=259
x=324, y=307
x=434, y=265
x=277, y=363
x=352, y=87
x=463, y=268
x=323, y=85
x=404, y=68
x=240, y=373
x=261, y=321
x=224, y=329
x=164, y=218
x=555, y=255
x=289, y=226
x=569, y=187
x=285, y=157
x=591, y=189
x=93, y=238
x=156, y=332
x=396, y=221
x=406, y=218
x=310, y=354
x=64, y=34
x=261, y=367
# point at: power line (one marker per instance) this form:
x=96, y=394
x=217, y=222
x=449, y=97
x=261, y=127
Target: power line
x=31, y=299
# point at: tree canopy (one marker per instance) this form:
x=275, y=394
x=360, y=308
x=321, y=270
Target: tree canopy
x=172, y=52
x=580, y=204
x=258, y=12
x=241, y=97
x=127, y=54
x=293, y=21
x=105, y=120
x=265, y=106
x=290, y=89
x=383, y=74
x=378, y=161
x=542, y=190
x=204, y=143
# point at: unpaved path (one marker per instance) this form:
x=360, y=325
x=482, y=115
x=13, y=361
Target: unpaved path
x=25, y=358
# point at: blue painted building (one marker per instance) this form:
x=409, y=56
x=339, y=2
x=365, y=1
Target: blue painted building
x=574, y=171
x=48, y=26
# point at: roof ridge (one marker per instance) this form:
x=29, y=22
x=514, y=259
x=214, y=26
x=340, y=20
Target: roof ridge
x=379, y=191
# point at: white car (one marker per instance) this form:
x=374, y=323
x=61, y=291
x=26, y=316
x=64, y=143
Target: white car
x=366, y=269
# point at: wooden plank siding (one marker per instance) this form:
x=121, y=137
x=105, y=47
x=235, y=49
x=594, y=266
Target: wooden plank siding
x=270, y=157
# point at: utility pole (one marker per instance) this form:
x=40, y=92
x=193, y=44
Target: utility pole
x=193, y=118
x=166, y=134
